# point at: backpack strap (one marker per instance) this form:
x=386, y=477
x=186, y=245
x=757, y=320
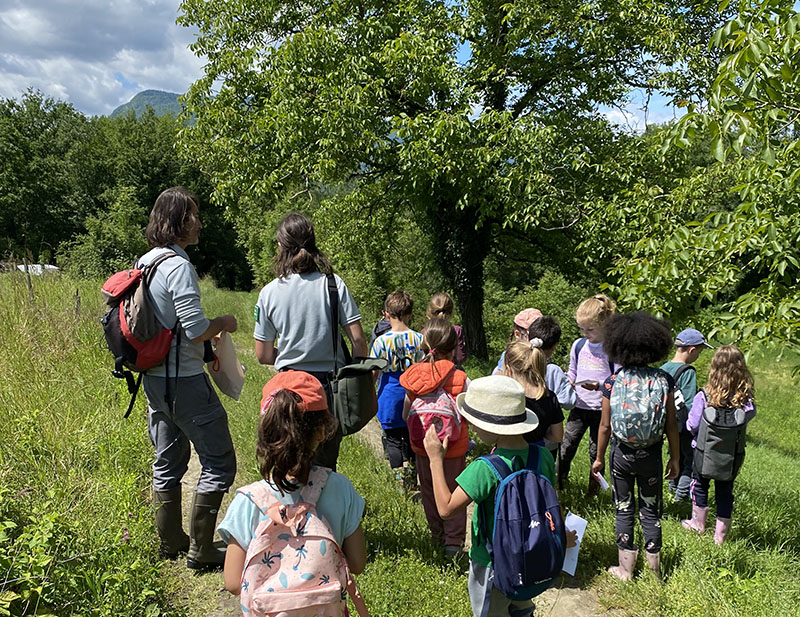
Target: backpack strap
x=259, y=494
x=501, y=471
x=681, y=370
x=534, y=460
x=317, y=480
x=578, y=346
x=148, y=272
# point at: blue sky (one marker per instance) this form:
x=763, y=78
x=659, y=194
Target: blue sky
x=97, y=54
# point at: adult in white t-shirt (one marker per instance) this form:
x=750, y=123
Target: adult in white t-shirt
x=293, y=315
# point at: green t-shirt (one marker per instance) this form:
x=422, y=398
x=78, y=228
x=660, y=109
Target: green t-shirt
x=687, y=382
x=480, y=482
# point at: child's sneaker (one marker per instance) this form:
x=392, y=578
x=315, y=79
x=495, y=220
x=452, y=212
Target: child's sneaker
x=399, y=479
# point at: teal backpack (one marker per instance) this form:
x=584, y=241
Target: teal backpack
x=639, y=406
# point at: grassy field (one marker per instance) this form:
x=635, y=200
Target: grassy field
x=76, y=529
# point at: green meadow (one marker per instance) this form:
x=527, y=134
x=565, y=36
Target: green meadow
x=76, y=525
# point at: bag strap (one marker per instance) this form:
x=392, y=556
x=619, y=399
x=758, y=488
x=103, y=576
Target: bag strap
x=534, y=460
x=333, y=294
x=501, y=470
x=681, y=370
x=579, y=345
x=121, y=372
x=317, y=480
x=259, y=494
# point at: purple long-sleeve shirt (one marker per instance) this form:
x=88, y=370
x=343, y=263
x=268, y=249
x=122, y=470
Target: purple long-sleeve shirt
x=591, y=363
x=699, y=406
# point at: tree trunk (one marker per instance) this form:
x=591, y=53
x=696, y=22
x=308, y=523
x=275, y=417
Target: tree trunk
x=462, y=247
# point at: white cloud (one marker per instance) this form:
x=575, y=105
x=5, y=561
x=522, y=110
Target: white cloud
x=95, y=54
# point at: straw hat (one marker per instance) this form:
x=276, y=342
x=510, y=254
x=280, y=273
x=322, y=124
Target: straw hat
x=497, y=404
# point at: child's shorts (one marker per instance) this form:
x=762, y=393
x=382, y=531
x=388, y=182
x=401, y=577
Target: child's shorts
x=499, y=605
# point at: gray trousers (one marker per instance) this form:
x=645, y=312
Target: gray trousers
x=198, y=417
x=499, y=605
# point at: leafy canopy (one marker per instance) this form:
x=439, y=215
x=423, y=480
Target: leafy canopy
x=738, y=244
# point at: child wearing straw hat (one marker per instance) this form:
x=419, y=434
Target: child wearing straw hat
x=495, y=406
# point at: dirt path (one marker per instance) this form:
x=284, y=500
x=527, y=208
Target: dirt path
x=199, y=594
x=564, y=601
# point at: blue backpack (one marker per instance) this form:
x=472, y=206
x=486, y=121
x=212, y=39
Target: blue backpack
x=529, y=541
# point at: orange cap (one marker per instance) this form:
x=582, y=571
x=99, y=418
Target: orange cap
x=307, y=387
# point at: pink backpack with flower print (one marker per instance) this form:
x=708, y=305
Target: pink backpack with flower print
x=293, y=566
x=438, y=409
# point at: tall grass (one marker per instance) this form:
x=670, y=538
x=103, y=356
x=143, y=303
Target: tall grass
x=78, y=532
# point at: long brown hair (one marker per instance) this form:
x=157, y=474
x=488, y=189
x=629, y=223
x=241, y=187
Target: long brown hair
x=286, y=440
x=297, y=248
x=730, y=383
x=527, y=365
x=171, y=217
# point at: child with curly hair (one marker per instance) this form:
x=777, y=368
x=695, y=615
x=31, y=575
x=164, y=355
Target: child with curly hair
x=638, y=408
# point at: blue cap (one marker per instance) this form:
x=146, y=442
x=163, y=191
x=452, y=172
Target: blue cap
x=691, y=338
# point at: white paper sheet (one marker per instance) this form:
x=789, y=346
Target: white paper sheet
x=602, y=482
x=578, y=524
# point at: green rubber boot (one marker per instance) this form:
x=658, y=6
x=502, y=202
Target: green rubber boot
x=203, y=554
x=169, y=523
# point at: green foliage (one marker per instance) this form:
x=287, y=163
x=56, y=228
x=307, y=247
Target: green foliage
x=79, y=190
x=39, y=140
x=473, y=120
x=112, y=240
x=76, y=535
x=553, y=295
x=734, y=242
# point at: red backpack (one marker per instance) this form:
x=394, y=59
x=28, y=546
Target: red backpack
x=135, y=336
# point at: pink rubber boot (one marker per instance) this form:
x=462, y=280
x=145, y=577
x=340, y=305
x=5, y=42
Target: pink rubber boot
x=721, y=532
x=698, y=521
x=654, y=563
x=627, y=561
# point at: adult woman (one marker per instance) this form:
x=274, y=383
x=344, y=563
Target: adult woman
x=194, y=413
x=294, y=309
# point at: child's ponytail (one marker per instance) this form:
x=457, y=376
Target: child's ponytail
x=440, y=305
x=287, y=440
x=527, y=363
x=730, y=382
x=439, y=339
x=596, y=309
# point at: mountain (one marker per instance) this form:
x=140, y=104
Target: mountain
x=162, y=103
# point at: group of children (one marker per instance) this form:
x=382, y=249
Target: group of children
x=610, y=388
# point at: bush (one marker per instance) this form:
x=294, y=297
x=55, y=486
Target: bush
x=553, y=295
x=113, y=238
